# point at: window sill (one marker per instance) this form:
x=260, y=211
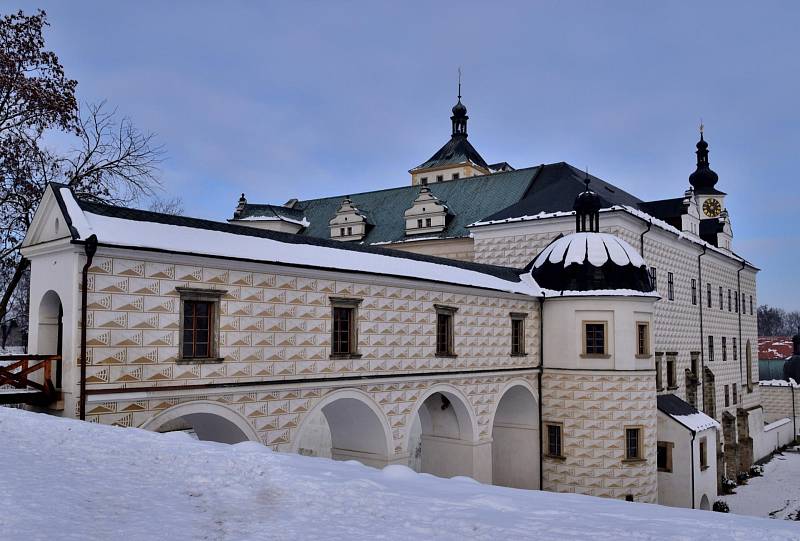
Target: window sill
x=560, y=458
x=662, y=470
x=634, y=460
x=672, y=387
x=659, y=389
x=704, y=468
x=519, y=354
x=446, y=355
x=340, y=356
x=595, y=356
x=216, y=360
x=644, y=356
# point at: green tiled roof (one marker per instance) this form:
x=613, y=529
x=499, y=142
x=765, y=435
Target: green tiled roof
x=468, y=200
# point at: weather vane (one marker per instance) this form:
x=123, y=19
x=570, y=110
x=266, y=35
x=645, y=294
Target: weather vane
x=701, y=126
x=459, y=82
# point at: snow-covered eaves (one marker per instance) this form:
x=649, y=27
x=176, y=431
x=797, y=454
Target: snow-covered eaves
x=596, y=248
x=277, y=218
x=130, y=228
x=696, y=422
x=779, y=383
x=684, y=413
x=550, y=293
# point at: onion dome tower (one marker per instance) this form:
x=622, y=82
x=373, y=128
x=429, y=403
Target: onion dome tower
x=588, y=260
x=704, y=178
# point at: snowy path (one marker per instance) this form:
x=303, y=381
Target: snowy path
x=67, y=480
x=776, y=494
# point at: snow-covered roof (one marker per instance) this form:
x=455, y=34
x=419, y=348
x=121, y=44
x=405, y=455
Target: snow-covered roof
x=131, y=228
x=596, y=248
x=684, y=413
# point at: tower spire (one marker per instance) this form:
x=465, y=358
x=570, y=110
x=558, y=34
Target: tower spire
x=459, y=117
x=703, y=178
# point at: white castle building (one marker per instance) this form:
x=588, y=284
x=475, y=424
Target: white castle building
x=536, y=328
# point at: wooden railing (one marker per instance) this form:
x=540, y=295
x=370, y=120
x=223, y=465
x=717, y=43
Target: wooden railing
x=16, y=372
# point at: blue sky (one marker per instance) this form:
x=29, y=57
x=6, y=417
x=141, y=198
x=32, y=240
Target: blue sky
x=302, y=99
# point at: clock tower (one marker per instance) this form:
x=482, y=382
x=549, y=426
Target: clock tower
x=715, y=223
x=710, y=200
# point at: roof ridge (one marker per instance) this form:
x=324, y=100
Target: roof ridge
x=505, y=273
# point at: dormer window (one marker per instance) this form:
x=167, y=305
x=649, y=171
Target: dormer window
x=439, y=178
x=424, y=181
x=455, y=176
x=349, y=223
x=427, y=214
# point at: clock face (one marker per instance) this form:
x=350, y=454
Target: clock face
x=712, y=208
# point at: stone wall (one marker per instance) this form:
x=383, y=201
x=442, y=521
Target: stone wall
x=595, y=408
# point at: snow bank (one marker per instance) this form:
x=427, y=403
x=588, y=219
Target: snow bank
x=779, y=383
x=72, y=480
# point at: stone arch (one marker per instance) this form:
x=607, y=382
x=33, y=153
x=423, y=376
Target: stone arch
x=210, y=421
x=359, y=430
x=515, y=437
x=50, y=331
x=448, y=429
x=705, y=505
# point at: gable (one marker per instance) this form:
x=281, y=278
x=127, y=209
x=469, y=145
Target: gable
x=50, y=222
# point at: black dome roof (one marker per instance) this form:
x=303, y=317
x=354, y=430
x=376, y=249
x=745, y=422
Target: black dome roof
x=590, y=261
x=704, y=178
x=459, y=109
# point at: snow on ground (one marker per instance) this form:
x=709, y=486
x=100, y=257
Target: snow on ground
x=776, y=494
x=68, y=480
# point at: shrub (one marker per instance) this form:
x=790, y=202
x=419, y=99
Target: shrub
x=756, y=470
x=728, y=485
x=741, y=478
x=721, y=507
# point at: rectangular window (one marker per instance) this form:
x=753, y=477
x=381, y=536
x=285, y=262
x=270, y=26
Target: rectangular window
x=708, y=295
x=554, y=447
x=419, y=223
x=744, y=307
x=344, y=328
x=735, y=350
x=664, y=456
x=444, y=331
x=729, y=300
x=710, y=348
x=659, y=382
x=594, y=338
x=199, y=329
x=439, y=178
x=727, y=397
x=751, y=305
x=455, y=176
x=633, y=443
x=720, y=297
x=724, y=348
x=694, y=291
x=341, y=231
x=518, y=334
x=670, y=286
x=736, y=301
x=672, y=375
x=643, y=339
x=427, y=222
x=654, y=278
x=424, y=181
x=735, y=394
x=349, y=231
x=703, y=454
